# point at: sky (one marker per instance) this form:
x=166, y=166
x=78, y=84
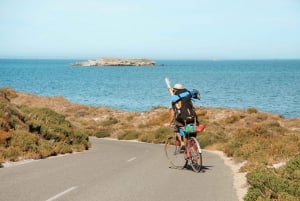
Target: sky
x=154, y=29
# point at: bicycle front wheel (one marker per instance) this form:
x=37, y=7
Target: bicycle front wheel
x=172, y=151
x=195, y=155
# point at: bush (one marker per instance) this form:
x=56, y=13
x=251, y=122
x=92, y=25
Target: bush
x=102, y=133
x=252, y=110
x=232, y=119
x=129, y=135
x=46, y=149
x=207, y=138
x=271, y=184
x=162, y=132
x=81, y=139
x=63, y=148
x=110, y=121
x=11, y=153
x=36, y=133
x=27, y=142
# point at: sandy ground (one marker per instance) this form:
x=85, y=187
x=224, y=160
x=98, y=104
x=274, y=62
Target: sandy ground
x=239, y=178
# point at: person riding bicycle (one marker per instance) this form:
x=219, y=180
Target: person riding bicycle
x=182, y=111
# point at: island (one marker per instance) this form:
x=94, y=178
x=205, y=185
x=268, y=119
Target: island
x=108, y=61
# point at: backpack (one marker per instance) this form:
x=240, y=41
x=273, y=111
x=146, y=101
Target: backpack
x=182, y=103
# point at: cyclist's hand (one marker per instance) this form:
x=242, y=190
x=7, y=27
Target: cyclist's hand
x=172, y=125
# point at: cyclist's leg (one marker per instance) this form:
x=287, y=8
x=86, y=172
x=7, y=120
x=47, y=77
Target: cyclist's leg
x=179, y=135
x=179, y=138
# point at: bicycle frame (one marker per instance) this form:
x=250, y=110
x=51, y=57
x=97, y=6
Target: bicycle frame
x=191, y=155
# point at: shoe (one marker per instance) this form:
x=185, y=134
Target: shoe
x=182, y=148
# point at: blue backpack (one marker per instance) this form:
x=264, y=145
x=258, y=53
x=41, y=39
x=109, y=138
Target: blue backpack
x=184, y=109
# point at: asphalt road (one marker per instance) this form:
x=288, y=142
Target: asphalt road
x=116, y=171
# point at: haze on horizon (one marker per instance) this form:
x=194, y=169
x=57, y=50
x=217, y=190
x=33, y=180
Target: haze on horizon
x=192, y=29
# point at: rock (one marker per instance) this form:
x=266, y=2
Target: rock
x=106, y=61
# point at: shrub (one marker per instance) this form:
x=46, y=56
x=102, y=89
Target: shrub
x=79, y=138
x=232, y=119
x=147, y=137
x=251, y=110
x=162, y=132
x=47, y=148
x=142, y=126
x=102, y=133
x=5, y=137
x=130, y=118
x=129, y=135
x=110, y=121
x=11, y=153
x=27, y=142
x=273, y=184
x=207, y=138
x=292, y=169
x=63, y=148
x=252, y=194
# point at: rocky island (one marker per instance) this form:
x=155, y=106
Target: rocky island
x=107, y=61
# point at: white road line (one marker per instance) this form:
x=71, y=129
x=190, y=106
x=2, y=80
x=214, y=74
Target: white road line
x=62, y=193
x=132, y=159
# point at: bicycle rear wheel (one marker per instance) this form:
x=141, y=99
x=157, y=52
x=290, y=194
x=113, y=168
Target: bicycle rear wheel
x=195, y=154
x=172, y=151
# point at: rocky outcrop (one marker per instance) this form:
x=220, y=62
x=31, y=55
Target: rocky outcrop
x=115, y=62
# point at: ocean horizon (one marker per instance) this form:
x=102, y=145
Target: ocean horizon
x=268, y=85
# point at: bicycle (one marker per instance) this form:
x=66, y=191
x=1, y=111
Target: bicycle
x=192, y=154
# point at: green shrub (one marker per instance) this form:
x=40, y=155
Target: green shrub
x=27, y=142
x=273, y=184
x=161, y=132
x=46, y=149
x=207, y=138
x=63, y=148
x=293, y=168
x=252, y=194
x=102, y=133
x=110, y=121
x=129, y=135
x=80, y=138
x=45, y=115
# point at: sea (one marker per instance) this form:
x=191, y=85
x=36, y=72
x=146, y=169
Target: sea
x=267, y=85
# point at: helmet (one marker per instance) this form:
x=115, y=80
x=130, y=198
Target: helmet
x=178, y=86
x=195, y=94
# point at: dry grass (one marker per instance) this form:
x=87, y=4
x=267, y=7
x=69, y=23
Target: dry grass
x=31, y=132
x=245, y=134
x=259, y=138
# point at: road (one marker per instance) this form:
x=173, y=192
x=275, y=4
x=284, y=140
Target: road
x=116, y=171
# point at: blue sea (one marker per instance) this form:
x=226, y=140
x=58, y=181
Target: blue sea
x=268, y=85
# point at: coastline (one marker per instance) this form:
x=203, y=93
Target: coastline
x=249, y=127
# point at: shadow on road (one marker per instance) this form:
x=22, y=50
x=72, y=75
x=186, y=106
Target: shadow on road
x=188, y=167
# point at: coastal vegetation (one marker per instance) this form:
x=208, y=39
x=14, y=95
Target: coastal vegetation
x=268, y=144
x=34, y=133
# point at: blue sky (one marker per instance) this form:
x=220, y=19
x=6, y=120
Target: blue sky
x=155, y=29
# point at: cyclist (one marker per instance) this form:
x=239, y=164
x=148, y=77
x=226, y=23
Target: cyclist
x=182, y=111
